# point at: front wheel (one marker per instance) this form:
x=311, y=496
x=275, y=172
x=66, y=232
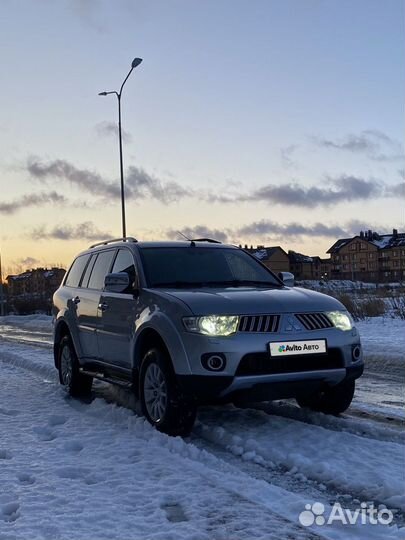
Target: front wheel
x=163, y=403
x=75, y=382
x=330, y=400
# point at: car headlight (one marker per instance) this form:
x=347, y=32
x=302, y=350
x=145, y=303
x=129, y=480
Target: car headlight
x=340, y=319
x=212, y=325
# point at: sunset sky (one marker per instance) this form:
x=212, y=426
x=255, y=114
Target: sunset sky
x=276, y=122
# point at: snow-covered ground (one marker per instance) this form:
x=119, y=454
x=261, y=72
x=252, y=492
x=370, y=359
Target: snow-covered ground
x=95, y=470
x=345, y=285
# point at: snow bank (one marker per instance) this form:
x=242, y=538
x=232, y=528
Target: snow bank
x=32, y=322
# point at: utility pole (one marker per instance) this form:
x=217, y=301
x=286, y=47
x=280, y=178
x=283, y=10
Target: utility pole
x=1, y=291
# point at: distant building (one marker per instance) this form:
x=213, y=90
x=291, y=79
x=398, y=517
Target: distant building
x=274, y=258
x=321, y=268
x=306, y=267
x=301, y=265
x=369, y=256
x=33, y=290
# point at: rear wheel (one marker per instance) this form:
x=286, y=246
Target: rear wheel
x=330, y=400
x=163, y=403
x=75, y=382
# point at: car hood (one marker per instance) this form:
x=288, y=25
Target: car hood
x=245, y=301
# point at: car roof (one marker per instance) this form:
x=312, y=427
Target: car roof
x=157, y=244
x=171, y=244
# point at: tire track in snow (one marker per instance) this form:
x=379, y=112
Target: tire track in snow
x=27, y=358
x=276, y=508
x=345, y=422
x=343, y=461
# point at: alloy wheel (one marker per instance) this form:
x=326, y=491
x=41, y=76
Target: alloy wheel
x=155, y=392
x=66, y=365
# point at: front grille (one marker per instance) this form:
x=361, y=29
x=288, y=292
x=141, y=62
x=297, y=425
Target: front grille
x=263, y=364
x=259, y=323
x=314, y=321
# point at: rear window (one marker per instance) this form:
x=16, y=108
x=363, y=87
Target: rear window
x=100, y=269
x=87, y=273
x=76, y=271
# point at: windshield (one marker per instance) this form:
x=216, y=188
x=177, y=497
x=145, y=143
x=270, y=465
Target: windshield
x=181, y=267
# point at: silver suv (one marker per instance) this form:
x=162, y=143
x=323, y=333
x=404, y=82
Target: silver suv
x=185, y=323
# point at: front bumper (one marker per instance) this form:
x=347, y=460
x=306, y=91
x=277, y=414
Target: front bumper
x=263, y=387
x=239, y=345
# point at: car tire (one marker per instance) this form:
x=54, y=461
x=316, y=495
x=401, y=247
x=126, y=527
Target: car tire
x=163, y=403
x=330, y=400
x=70, y=377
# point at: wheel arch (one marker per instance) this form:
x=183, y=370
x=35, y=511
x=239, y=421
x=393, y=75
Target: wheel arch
x=148, y=338
x=61, y=330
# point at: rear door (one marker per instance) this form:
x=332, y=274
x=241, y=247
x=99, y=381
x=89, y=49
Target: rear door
x=82, y=307
x=117, y=315
x=90, y=292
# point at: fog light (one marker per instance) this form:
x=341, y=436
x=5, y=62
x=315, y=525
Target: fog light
x=356, y=352
x=213, y=361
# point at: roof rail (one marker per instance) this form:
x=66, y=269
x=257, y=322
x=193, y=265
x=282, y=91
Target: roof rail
x=210, y=240
x=105, y=242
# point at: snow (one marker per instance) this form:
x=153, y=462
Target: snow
x=344, y=285
x=383, y=340
x=31, y=322
x=71, y=469
x=345, y=461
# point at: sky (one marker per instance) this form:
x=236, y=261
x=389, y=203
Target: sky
x=275, y=122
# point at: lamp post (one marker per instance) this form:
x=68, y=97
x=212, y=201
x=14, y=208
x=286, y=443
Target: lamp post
x=135, y=63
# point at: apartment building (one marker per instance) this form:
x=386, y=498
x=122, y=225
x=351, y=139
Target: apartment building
x=33, y=290
x=369, y=256
x=306, y=267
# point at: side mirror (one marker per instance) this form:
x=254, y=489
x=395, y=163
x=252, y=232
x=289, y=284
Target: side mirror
x=117, y=282
x=287, y=278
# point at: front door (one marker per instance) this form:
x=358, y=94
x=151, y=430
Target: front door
x=116, y=316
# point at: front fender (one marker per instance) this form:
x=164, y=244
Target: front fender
x=164, y=326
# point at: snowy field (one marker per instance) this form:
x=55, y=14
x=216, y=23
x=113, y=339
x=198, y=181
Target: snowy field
x=96, y=470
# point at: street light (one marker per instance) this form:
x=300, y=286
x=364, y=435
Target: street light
x=135, y=63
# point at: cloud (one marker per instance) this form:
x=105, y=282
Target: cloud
x=141, y=185
x=199, y=231
x=106, y=129
x=373, y=143
x=272, y=231
x=33, y=199
x=138, y=183
x=63, y=170
x=342, y=189
x=293, y=229
x=89, y=12
x=286, y=155
x=258, y=229
x=85, y=230
x=28, y=262
x=396, y=190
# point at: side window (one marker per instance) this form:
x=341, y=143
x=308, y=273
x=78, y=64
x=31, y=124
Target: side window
x=124, y=262
x=76, y=271
x=100, y=269
x=87, y=273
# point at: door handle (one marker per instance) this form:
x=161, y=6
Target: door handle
x=103, y=306
x=76, y=300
